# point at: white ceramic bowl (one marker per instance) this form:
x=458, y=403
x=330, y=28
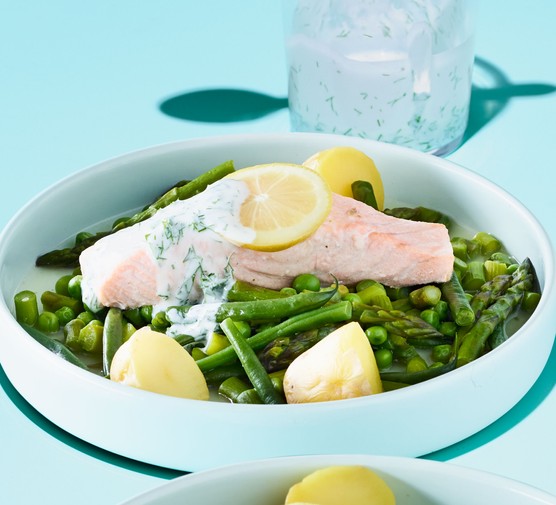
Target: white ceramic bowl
x=413, y=482
x=193, y=435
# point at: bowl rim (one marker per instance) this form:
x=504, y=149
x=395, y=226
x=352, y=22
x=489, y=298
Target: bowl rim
x=475, y=368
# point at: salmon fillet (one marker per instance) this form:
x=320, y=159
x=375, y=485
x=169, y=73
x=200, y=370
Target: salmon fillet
x=354, y=243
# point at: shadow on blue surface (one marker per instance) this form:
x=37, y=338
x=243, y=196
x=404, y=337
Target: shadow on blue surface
x=540, y=390
x=535, y=396
x=84, y=447
x=233, y=105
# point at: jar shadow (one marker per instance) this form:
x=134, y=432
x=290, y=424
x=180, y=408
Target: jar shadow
x=491, y=93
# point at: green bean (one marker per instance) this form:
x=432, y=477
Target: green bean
x=494, y=268
x=251, y=395
x=112, y=337
x=232, y=387
x=454, y=295
x=459, y=247
x=26, y=307
x=54, y=345
x=245, y=292
x=261, y=309
x=90, y=337
x=488, y=244
x=52, y=301
x=311, y=319
x=71, y=333
x=474, y=277
x=375, y=295
x=215, y=377
x=251, y=364
x=425, y=296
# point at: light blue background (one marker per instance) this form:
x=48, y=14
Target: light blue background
x=81, y=82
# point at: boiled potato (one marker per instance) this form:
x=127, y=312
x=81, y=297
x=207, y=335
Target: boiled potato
x=341, y=485
x=341, y=166
x=155, y=362
x=340, y=366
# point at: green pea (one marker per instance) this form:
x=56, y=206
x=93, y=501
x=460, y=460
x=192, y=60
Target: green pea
x=442, y=309
x=377, y=335
x=448, y=328
x=86, y=316
x=47, y=322
x=416, y=364
x=431, y=316
x=65, y=315
x=134, y=317
x=352, y=297
x=146, y=313
x=364, y=284
x=61, y=286
x=306, y=282
x=384, y=358
x=441, y=353
x=288, y=291
x=159, y=321
x=127, y=330
x=81, y=236
x=74, y=287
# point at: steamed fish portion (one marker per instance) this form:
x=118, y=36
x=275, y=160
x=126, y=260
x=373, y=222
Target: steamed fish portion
x=179, y=256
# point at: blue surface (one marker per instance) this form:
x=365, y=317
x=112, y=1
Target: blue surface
x=81, y=83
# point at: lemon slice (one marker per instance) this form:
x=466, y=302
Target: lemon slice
x=340, y=166
x=286, y=203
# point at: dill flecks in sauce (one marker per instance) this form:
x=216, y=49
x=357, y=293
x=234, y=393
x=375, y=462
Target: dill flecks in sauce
x=181, y=240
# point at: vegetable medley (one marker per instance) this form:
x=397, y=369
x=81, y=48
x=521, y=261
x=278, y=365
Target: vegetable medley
x=309, y=341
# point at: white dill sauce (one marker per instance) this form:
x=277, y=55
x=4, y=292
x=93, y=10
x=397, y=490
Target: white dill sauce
x=192, y=258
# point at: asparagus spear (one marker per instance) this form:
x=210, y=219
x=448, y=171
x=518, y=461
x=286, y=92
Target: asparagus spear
x=69, y=257
x=419, y=214
x=279, y=353
x=396, y=322
x=489, y=292
x=473, y=343
x=460, y=308
x=181, y=192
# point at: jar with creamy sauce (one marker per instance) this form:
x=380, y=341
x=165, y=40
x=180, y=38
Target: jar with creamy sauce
x=397, y=71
